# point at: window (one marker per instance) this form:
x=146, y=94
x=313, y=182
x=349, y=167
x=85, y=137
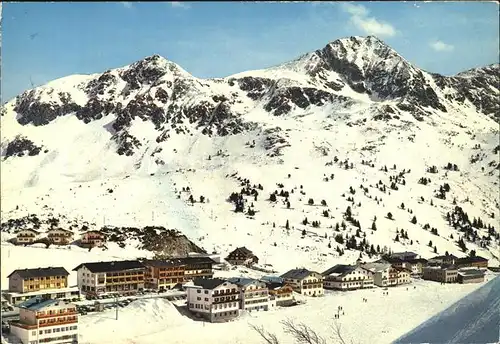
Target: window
x=206, y=291
x=198, y=298
x=206, y=299
x=33, y=333
x=198, y=291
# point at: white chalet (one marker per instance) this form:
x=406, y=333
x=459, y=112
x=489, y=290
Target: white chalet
x=380, y=273
x=46, y=321
x=254, y=295
x=304, y=282
x=214, y=299
x=347, y=277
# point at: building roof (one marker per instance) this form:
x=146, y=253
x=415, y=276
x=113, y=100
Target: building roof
x=272, y=279
x=59, y=230
x=475, y=259
x=405, y=253
x=28, y=230
x=160, y=263
x=417, y=260
x=275, y=285
x=376, y=266
x=391, y=260
x=340, y=270
x=40, y=272
x=243, y=251
x=402, y=269
x=442, y=267
x=243, y=282
x=297, y=274
x=471, y=272
x=196, y=260
x=119, y=265
x=37, y=303
x=208, y=283
x=450, y=256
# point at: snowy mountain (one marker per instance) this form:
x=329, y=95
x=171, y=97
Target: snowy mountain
x=351, y=125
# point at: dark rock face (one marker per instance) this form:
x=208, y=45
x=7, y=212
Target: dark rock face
x=474, y=86
x=256, y=88
x=302, y=97
x=387, y=76
x=21, y=146
x=126, y=143
x=32, y=110
x=100, y=85
x=144, y=72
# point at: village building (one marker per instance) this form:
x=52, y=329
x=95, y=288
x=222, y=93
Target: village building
x=26, y=236
x=281, y=292
x=414, y=265
x=197, y=267
x=59, y=236
x=403, y=275
x=470, y=275
x=304, y=282
x=93, y=239
x=347, y=277
x=124, y=277
x=254, y=295
x=242, y=256
x=214, y=299
x=380, y=272
x=443, y=274
x=163, y=274
x=393, y=277
x=404, y=255
x=439, y=260
x=472, y=262
x=31, y=280
x=46, y=321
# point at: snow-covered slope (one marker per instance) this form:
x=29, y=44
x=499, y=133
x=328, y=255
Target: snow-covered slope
x=473, y=319
x=353, y=124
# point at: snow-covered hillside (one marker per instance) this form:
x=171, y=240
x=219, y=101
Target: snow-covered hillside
x=353, y=124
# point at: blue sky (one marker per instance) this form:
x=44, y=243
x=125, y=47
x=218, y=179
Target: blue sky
x=45, y=41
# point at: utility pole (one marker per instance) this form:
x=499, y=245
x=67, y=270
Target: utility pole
x=116, y=306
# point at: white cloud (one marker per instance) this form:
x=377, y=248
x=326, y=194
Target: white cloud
x=355, y=10
x=369, y=25
x=180, y=4
x=441, y=46
x=127, y=4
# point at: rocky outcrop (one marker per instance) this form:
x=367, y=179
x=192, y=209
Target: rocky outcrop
x=21, y=146
x=157, y=90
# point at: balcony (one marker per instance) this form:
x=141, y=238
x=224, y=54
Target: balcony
x=214, y=302
x=312, y=283
x=43, y=316
x=48, y=324
x=236, y=292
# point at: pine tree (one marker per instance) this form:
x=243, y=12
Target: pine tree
x=435, y=249
x=430, y=243
x=287, y=225
x=397, y=238
x=304, y=232
x=374, y=226
x=414, y=220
